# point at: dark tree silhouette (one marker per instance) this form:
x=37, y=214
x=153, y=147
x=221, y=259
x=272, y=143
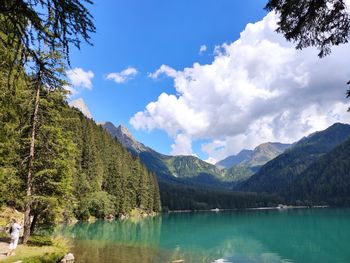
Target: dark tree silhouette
x=319, y=23
x=36, y=27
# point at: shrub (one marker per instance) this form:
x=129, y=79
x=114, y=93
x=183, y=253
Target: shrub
x=46, y=258
x=40, y=241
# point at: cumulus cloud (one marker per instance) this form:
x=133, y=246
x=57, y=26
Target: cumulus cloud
x=81, y=105
x=123, y=76
x=257, y=89
x=202, y=49
x=79, y=79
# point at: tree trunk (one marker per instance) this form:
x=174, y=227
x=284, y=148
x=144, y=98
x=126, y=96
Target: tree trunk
x=32, y=227
x=27, y=222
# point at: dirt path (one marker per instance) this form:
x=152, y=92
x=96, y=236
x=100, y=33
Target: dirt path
x=3, y=250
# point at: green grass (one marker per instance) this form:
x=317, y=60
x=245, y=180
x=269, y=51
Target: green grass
x=42, y=254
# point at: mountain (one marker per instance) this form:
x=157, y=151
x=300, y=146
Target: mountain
x=123, y=135
x=257, y=157
x=192, y=170
x=81, y=105
x=265, y=152
x=276, y=176
x=232, y=160
x=247, y=162
x=326, y=181
x=188, y=170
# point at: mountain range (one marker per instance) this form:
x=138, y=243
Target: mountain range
x=257, y=157
x=188, y=170
x=314, y=169
x=191, y=170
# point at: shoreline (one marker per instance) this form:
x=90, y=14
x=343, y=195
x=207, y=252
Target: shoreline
x=284, y=207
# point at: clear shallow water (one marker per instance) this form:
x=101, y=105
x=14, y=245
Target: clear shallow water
x=296, y=235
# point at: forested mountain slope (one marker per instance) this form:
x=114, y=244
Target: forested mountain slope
x=174, y=169
x=186, y=182
x=278, y=175
x=326, y=181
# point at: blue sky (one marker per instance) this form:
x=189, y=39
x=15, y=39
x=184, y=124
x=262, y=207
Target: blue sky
x=143, y=35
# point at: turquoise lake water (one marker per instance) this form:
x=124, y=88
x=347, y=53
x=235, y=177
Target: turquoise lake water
x=285, y=235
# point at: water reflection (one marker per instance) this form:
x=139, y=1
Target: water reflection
x=252, y=236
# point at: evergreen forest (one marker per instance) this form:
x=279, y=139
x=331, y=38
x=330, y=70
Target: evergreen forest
x=58, y=161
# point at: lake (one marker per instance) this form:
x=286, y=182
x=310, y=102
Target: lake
x=285, y=235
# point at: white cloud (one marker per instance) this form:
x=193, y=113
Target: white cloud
x=182, y=145
x=81, y=105
x=79, y=78
x=257, y=89
x=123, y=76
x=202, y=49
x=164, y=69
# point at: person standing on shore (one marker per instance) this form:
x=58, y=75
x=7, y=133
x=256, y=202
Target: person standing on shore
x=14, y=232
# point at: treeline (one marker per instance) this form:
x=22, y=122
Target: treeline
x=58, y=162
x=109, y=180
x=180, y=197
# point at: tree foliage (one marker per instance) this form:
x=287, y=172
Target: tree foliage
x=33, y=27
x=78, y=169
x=319, y=23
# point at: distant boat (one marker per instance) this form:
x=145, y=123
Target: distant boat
x=215, y=210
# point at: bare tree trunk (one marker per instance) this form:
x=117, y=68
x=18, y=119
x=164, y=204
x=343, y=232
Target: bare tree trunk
x=27, y=223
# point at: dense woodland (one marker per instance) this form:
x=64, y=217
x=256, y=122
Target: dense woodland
x=77, y=168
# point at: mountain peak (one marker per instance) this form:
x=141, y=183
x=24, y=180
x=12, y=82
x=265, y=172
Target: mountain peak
x=123, y=130
x=232, y=160
x=123, y=135
x=81, y=105
x=259, y=156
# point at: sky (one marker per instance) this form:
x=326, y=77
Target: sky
x=203, y=77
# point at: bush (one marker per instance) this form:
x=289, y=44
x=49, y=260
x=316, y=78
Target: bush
x=82, y=213
x=101, y=204
x=40, y=241
x=46, y=258
x=98, y=204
